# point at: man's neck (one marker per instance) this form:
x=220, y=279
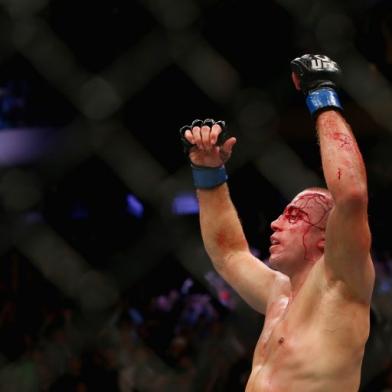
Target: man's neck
x=298, y=279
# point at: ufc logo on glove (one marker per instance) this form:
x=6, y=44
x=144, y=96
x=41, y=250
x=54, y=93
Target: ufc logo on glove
x=323, y=63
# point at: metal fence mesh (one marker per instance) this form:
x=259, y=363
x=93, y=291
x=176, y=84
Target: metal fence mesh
x=123, y=78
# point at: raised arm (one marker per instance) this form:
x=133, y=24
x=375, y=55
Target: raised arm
x=221, y=230
x=348, y=239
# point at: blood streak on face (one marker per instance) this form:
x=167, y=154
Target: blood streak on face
x=311, y=208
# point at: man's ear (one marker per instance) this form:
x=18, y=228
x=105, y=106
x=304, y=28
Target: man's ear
x=321, y=245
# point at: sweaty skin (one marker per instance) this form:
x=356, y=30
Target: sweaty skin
x=312, y=340
x=316, y=290
x=314, y=331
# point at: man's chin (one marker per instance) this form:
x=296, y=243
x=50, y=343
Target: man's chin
x=273, y=262
x=277, y=262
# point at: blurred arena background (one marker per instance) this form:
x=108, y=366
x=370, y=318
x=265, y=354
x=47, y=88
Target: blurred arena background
x=104, y=281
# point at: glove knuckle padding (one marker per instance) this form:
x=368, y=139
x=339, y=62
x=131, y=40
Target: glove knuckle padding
x=209, y=122
x=205, y=177
x=197, y=123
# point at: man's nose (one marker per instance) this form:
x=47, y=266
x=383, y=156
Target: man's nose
x=276, y=224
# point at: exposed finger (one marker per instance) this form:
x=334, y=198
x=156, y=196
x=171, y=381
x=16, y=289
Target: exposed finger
x=228, y=145
x=189, y=136
x=215, y=131
x=296, y=80
x=205, y=137
x=197, y=137
x=225, y=149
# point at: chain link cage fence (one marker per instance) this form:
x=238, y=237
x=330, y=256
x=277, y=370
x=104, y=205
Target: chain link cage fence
x=105, y=284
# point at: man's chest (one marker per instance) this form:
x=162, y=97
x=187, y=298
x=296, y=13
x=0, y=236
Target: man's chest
x=315, y=321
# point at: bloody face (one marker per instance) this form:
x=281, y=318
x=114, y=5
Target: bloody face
x=299, y=231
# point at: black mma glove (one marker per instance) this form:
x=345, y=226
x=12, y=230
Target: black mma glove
x=206, y=177
x=318, y=77
x=223, y=136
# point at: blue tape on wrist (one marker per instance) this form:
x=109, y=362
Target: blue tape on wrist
x=208, y=177
x=321, y=99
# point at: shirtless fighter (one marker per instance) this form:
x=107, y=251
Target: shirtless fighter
x=316, y=290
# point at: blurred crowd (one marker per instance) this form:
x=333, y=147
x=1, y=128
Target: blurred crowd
x=180, y=340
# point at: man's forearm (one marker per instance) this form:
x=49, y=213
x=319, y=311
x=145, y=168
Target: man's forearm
x=220, y=226
x=343, y=166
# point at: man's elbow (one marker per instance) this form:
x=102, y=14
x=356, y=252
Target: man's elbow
x=354, y=198
x=224, y=245
x=223, y=260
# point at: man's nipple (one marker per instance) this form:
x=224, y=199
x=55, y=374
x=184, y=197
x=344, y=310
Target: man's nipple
x=281, y=340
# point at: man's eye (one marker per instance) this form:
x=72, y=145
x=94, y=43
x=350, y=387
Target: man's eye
x=292, y=215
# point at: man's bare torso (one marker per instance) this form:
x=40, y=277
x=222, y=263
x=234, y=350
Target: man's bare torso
x=314, y=342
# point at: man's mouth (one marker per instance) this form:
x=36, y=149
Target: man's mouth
x=274, y=241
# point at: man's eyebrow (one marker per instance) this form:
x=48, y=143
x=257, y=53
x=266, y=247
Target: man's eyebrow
x=293, y=207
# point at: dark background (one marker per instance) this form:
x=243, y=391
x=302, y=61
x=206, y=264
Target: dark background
x=110, y=83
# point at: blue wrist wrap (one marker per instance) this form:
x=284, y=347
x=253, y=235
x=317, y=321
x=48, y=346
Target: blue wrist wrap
x=323, y=98
x=208, y=177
